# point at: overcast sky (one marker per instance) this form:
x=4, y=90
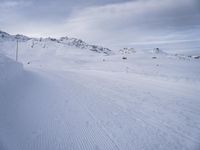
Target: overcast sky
x=112, y=23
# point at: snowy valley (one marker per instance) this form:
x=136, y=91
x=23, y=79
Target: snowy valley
x=66, y=94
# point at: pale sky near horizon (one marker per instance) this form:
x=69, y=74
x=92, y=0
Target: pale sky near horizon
x=107, y=22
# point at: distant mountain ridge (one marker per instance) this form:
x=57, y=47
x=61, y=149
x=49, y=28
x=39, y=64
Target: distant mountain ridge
x=73, y=42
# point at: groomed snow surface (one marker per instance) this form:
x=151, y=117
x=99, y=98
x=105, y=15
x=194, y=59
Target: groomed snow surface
x=76, y=99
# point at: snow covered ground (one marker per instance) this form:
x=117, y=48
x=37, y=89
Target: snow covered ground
x=72, y=98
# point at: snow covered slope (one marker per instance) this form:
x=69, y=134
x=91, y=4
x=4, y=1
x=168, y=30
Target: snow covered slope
x=9, y=69
x=74, y=98
x=10, y=72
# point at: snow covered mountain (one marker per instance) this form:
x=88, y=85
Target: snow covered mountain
x=66, y=94
x=7, y=37
x=64, y=41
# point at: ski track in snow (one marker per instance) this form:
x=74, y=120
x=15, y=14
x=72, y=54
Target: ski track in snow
x=121, y=116
x=142, y=117
x=78, y=102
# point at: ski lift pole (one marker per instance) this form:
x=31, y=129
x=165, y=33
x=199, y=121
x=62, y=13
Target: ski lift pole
x=17, y=49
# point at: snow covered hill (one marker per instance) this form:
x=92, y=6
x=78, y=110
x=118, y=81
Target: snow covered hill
x=67, y=96
x=43, y=42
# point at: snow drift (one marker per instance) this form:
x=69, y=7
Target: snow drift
x=9, y=69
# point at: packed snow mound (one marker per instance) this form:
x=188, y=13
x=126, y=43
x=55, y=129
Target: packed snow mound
x=9, y=69
x=158, y=51
x=127, y=51
x=63, y=41
x=130, y=51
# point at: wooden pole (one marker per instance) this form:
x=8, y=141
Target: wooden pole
x=17, y=49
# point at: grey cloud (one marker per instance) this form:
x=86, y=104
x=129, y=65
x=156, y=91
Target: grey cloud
x=108, y=22
x=139, y=20
x=53, y=10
